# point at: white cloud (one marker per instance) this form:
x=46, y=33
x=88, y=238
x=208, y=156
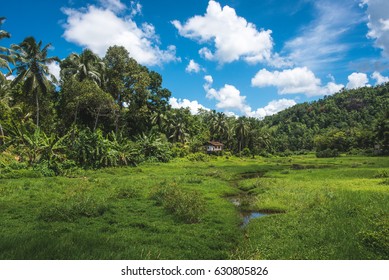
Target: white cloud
x=228, y=97
x=208, y=79
x=294, y=81
x=10, y=77
x=379, y=78
x=378, y=23
x=233, y=37
x=136, y=8
x=54, y=69
x=99, y=28
x=113, y=5
x=193, y=106
x=193, y=67
x=272, y=108
x=322, y=41
x=357, y=80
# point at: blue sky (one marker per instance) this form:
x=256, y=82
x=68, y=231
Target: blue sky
x=241, y=57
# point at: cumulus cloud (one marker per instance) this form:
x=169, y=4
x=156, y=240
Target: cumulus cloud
x=379, y=78
x=97, y=28
x=230, y=99
x=193, y=67
x=357, y=80
x=193, y=106
x=209, y=80
x=272, y=108
x=378, y=23
x=113, y=5
x=294, y=81
x=232, y=36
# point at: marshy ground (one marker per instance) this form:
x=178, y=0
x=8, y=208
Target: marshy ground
x=315, y=209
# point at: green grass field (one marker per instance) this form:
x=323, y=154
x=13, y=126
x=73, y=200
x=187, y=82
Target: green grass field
x=316, y=209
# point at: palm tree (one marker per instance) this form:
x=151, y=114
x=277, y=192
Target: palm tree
x=219, y=126
x=87, y=65
x=5, y=57
x=178, y=127
x=241, y=131
x=159, y=119
x=32, y=70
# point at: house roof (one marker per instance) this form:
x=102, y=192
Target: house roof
x=214, y=143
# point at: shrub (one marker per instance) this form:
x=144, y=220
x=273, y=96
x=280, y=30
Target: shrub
x=127, y=192
x=246, y=152
x=382, y=174
x=198, y=157
x=186, y=206
x=74, y=207
x=179, y=150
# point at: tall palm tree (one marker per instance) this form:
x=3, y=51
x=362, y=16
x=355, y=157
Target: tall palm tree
x=178, y=128
x=32, y=70
x=87, y=65
x=219, y=126
x=5, y=56
x=241, y=131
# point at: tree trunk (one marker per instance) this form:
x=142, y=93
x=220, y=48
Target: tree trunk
x=97, y=119
x=2, y=141
x=37, y=108
x=117, y=115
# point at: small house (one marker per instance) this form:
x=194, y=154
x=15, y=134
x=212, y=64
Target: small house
x=213, y=147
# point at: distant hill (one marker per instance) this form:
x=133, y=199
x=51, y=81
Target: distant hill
x=350, y=119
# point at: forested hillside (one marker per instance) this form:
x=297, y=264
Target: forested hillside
x=350, y=119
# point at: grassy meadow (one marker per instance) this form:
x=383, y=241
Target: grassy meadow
x=315, y=209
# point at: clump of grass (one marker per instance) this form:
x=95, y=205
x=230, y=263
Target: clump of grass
x=376, y=240
x=194, y=180
x=382, y=174
x=385, y=182
x=73, y=208
x=186, y=206
x=214, y=174
x=127, y=193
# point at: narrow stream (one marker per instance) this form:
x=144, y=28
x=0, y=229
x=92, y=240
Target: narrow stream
x=246, y=216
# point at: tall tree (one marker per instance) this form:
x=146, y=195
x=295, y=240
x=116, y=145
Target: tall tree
x=5, y=56
x=32, y=69
x=241, y=131
x=86, y=65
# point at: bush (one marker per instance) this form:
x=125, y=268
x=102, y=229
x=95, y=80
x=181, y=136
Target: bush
x=73, y=208
x=382, y=174
x=186, y=206
x=246, y=152
x=198, y=157
x=179, y=151
x=328, y=153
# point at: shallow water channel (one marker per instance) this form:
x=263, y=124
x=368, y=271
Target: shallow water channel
x=246, y=216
